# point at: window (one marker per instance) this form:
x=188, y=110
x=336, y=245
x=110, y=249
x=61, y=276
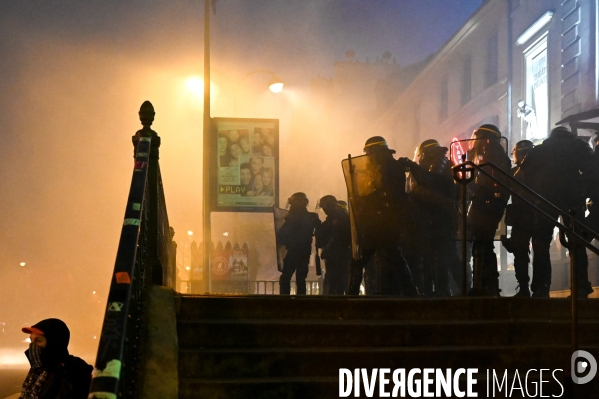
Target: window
x=492, y=70
x=443, y=100
x=533, y=111
x=466, y=93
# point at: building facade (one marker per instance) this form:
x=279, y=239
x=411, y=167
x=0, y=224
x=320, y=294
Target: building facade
x=523, y=65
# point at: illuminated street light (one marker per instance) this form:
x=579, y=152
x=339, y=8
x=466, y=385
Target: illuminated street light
x=189, y=233
x=188, y=268
x=195, y=85
x=276, y=84
x=22, y=264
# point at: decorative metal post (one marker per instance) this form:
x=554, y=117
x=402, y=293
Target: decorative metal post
x=464, y=174
x=146, y=116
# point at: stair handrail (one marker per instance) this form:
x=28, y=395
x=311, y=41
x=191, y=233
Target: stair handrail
x=463, y=174
x=565, y=214
x=143, y=258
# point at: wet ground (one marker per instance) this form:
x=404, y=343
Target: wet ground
x=11, y=380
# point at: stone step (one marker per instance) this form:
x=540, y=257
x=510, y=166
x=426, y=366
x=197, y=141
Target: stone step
x=247, y=333
x=322, y=362
x=362, y=308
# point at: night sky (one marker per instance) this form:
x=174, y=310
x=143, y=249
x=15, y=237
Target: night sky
x=72, y=77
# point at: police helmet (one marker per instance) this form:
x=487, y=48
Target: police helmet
x=327, y=200
x=298, y=199
x=430, y=147
x=376, y=144
x=561, y=131
x=343, y=205
x=487, y=131
x=523, y=145
x=426, y=144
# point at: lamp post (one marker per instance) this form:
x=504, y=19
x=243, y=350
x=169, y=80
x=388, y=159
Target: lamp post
x=207, y=153
x=209, y=145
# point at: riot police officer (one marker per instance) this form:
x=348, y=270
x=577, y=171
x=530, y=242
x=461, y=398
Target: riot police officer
x=519, y=216
x=488, y=203
x=333, y=237
x=296, y=235
x=378, y=218
x=433, y=196
x=557, y=170
x=592, y=190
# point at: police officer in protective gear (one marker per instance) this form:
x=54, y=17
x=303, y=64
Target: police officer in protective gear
x=520, y=217
x=333, y=237
x=558, y=170
x=487, y=206
x=296, y=235
x=592, y=190
x=379, y=226
x=433, y=196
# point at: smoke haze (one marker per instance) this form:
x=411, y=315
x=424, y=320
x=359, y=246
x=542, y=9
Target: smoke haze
x=73, y=75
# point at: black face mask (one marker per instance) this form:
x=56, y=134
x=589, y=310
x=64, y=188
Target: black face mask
x=35, y=355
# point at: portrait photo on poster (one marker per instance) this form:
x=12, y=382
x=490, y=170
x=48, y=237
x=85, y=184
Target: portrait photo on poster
x=247, y=164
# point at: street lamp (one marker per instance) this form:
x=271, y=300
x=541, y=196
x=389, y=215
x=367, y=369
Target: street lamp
x=275, y=85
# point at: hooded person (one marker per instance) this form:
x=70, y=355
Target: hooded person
x=54, y=373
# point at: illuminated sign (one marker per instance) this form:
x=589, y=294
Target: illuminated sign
x=456, y=151
x=246, y=164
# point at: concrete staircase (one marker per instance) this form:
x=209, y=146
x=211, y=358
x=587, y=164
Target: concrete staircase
x=293, y=347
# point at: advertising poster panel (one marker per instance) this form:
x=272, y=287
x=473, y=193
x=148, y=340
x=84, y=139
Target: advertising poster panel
x=247, y=164
x=238, y=261
x=219, y=265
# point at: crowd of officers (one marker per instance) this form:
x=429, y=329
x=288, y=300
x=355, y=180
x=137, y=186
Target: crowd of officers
x=404, y=244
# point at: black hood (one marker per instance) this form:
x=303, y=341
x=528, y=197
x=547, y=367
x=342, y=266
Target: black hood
x=57, y=336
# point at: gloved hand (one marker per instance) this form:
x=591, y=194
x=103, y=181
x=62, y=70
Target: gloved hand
x=405, y=163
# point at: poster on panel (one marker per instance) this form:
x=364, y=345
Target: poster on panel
x=247, y=164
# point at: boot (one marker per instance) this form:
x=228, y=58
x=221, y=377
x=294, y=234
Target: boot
x=523, y=292
x=584, y=291
x=541, y=291
x=355, y=278
x=478, y=265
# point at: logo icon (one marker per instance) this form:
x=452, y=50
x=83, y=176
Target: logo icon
x=583, y=362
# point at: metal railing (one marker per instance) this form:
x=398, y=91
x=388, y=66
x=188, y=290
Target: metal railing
x=142, y=259
x=569, y=237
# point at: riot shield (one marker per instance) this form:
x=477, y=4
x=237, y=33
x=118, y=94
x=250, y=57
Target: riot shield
x=374, y=213
x=279, y=216
x=486, y=200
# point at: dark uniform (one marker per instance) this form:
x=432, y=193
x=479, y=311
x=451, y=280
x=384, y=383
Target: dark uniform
x=592, y=190
x=333, y=237
x=487, y=206
x=296, y=235
x=379, y=217
x=520, y=217
x=555, y=170
x=433, y=196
